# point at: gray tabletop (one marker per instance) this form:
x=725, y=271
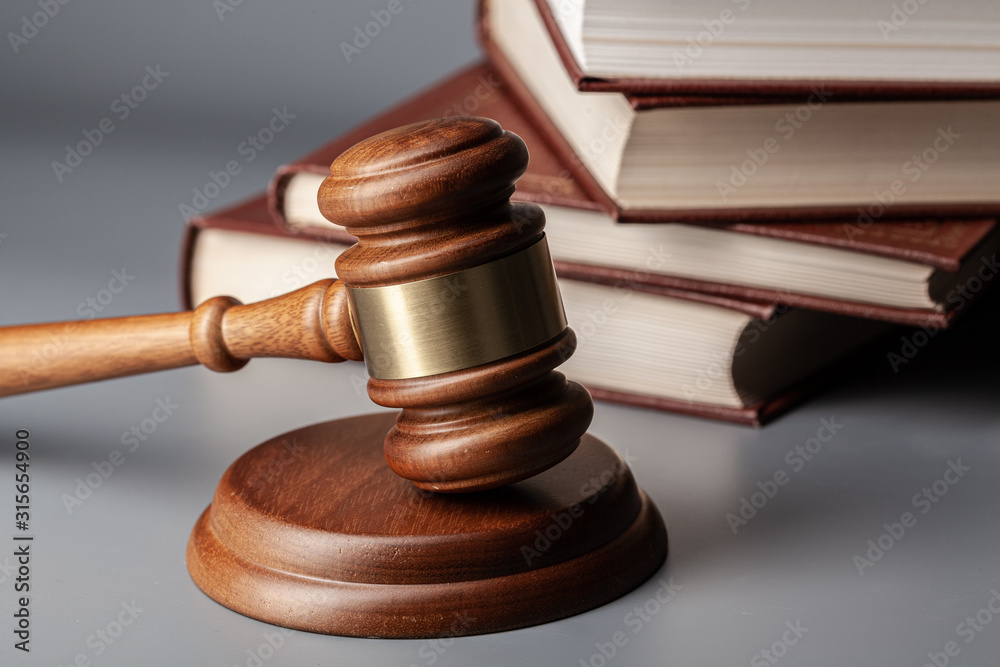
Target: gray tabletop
x=859, y=529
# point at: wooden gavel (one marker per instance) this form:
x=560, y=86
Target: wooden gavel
x=449, y=292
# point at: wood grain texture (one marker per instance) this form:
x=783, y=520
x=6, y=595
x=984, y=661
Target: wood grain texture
x=487, y=426
x=430, y=199
x=43, y=356
x=310, y=530
x=310, y=323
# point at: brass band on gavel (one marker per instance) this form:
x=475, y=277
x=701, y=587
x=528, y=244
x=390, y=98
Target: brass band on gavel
x=459, y=320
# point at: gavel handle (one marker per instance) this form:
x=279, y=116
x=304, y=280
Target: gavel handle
x=222, y=334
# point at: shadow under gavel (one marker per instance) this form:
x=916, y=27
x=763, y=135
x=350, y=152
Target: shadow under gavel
x=449, y=291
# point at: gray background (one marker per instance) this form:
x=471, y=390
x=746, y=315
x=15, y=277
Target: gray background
x=793, y=562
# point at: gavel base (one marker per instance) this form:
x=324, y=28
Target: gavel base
x=311, y=530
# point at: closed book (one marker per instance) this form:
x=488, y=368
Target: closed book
x=650, y=158
x=714, y=357
x=854, y=48
x=912, y=272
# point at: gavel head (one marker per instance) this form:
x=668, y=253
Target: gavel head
x=455, y=302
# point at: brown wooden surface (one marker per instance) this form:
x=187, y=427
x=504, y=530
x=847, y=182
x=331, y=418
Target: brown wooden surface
x=430, y=199
x=310, y=323
x=310, y=530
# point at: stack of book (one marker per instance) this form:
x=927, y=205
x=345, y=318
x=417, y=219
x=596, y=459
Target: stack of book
x=730, y=214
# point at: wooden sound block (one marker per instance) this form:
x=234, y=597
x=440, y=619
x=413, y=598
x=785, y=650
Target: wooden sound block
x=312, y=531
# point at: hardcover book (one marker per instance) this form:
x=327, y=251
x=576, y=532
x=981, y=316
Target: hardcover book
x=651, y=158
